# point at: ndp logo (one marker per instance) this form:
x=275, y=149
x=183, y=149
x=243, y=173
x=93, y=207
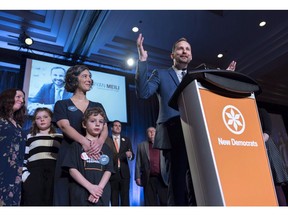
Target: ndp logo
x=233, y=119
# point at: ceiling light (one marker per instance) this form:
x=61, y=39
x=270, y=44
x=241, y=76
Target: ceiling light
x=263, y=23
x=25, y=40
x=220, y=55
x=29, y=41
x=130, y=62
x=135, y=29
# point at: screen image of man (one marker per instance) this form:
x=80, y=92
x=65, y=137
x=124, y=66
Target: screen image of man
x=49, y=93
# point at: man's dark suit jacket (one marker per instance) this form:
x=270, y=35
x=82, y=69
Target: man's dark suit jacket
x=46, y=95
x=163, y=82
x=125, y=145
x=169, y=133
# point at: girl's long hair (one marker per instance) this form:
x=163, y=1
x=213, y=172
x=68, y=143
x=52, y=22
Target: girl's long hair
x=34, y=129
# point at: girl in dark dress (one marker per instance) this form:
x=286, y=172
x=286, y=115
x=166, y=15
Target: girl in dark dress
x=68, y=116
x=12, y=146
x=90, y=185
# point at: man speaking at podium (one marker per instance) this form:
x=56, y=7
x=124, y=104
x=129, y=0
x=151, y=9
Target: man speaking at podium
x=169, y=135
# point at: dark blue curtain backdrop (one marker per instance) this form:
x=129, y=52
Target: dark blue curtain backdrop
x=10, y=79
x=143, y=114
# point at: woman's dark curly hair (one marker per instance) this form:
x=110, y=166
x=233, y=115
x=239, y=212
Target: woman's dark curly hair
x=7, y=100
x=71, y=78
x=34, y=129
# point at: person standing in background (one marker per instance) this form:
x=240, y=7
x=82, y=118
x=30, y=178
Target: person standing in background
x=91, y=185
x=169, y=135
x=41, y=151
x=150, y=171
x=279, y=172
x=50, y=93
x=122, y=153
x=12, y=146
x=68, y=115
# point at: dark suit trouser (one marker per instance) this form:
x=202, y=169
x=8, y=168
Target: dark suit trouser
x=155, y=192
x=180, y=187
x=120, y=187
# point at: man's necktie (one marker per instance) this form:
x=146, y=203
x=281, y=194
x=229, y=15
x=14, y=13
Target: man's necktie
x=183, y=73
x=117, y=149
x=58, y=94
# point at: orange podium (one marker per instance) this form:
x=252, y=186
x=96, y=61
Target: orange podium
x=223, y=137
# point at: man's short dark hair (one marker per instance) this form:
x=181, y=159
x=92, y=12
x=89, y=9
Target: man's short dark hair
x=57, y=67
x=178, y=41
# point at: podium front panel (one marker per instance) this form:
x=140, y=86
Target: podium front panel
x=226, y=150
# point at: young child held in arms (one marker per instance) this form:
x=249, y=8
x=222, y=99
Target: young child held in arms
x=90, y=185
x=40, y=160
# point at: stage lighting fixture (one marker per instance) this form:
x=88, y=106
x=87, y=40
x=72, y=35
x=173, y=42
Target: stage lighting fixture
x=25, y=40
